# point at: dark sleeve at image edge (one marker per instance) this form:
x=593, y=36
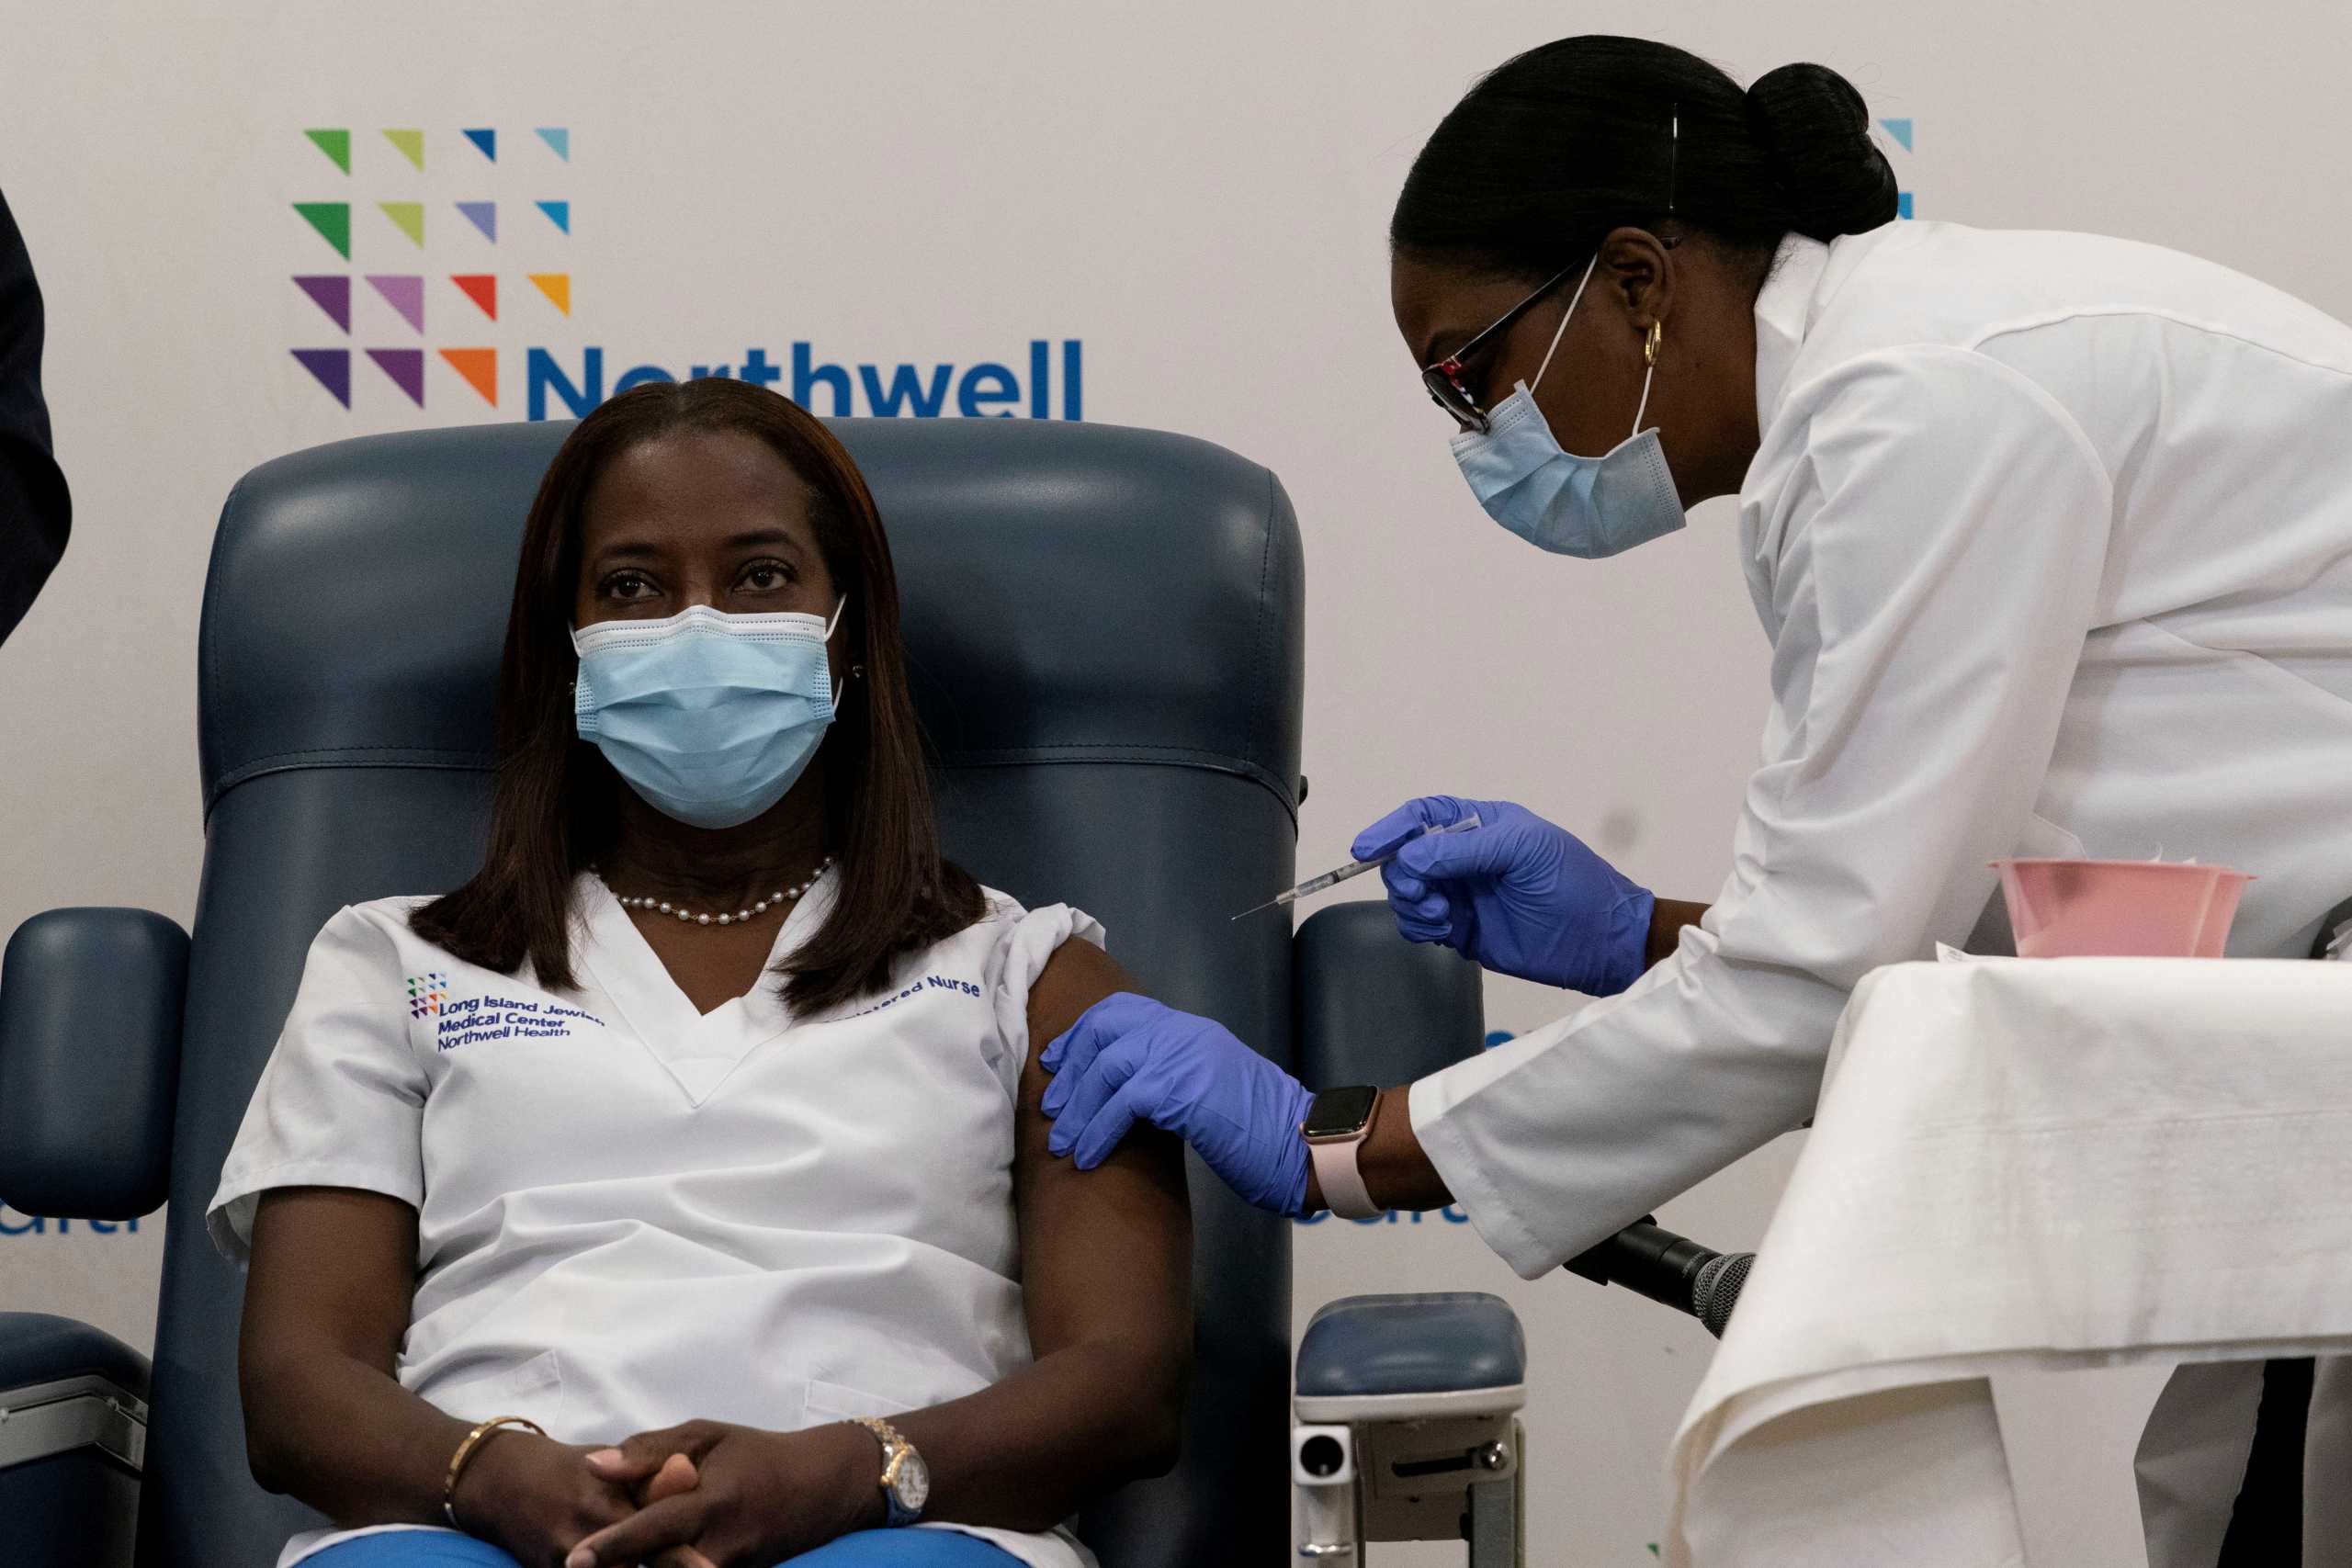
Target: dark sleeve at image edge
x=35, y=509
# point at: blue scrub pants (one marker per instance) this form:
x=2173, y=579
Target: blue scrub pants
x=864, y=1549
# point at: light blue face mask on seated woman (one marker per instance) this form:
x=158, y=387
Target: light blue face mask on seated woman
x=1572, y=506
x=709, y=716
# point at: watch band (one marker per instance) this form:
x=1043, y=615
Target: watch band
x=895, y=1450
x=1339, y=1177
x=1343, y=1190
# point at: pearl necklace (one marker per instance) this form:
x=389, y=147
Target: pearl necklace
x=738, y=917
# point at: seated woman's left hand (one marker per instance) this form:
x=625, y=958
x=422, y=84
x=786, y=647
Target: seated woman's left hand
x=757, y=1498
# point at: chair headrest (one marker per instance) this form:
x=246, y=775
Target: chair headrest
x=1071, y=593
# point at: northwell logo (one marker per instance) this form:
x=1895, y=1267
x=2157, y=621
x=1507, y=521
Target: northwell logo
x=1899, y=131
x=496, y=262
x=890, y=391
x=427, y=993
x=402, y=233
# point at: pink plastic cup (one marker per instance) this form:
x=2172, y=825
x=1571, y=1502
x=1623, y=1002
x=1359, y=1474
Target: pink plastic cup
x=2130, y=908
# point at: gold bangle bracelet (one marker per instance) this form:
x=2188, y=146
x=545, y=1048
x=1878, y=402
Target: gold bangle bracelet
x=466, y=1451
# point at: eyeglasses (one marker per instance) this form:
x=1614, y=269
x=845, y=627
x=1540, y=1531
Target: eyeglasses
x=1444, y=379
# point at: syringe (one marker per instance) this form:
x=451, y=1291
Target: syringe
x=1314, y=885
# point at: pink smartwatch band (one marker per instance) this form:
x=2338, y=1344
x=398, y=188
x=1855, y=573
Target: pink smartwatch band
x=1342, y=1181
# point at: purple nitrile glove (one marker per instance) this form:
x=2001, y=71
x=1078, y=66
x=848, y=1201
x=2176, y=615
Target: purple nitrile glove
x=1516, y=893
x=1129, y=1059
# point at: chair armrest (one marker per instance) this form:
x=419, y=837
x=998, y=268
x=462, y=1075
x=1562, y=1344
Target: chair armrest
x=72, y=1443
x=1411, y=1357
x=1372, y=1007
x=65, y=1385
x=90, y=1004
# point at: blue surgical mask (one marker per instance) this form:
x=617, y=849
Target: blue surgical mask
x=1572, y=506
x=710, y=717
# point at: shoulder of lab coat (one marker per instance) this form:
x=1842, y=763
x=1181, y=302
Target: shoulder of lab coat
x=1926, y=529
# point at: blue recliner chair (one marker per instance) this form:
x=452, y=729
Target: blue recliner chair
x=1105, y=629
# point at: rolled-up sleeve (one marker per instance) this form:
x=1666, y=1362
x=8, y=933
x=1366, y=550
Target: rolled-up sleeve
x=1026, y=942
x=1934, y=566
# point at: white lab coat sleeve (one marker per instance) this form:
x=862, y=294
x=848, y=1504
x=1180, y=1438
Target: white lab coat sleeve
x=1935, y=569
x=1027, y=939
x=341, y=1102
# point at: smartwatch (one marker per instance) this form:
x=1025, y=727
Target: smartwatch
x=1335, y=1126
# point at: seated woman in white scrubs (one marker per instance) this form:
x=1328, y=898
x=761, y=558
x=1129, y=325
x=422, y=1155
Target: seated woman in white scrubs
x=702, y=1125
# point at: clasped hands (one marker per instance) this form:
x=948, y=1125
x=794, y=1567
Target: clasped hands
x=700, y=1495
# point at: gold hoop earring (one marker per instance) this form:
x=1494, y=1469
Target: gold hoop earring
x=1649, y=348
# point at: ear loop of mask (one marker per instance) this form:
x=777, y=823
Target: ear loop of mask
x=1650, y=355
x=1564, y=319
x=839, y=686
x=1658, y=329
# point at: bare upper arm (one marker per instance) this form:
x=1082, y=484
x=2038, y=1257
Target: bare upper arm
x=1105, y=1252
x=334, y=1271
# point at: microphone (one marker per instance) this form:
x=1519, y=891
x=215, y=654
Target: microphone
x=1676, y=1271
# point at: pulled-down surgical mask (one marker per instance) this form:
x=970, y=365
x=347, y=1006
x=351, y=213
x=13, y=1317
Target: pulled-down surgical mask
x=1570, y=506
x=709, y=716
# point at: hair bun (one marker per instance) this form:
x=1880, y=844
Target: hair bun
x=1816, y=130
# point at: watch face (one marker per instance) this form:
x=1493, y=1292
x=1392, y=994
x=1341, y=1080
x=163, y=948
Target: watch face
x=1338, y=1112
x=912, y=1484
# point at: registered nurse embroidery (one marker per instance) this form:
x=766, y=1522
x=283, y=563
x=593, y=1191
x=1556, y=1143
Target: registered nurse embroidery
x=426, y=992
x=927, y=985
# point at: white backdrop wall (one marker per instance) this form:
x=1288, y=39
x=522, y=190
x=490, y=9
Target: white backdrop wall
x=1183, y=207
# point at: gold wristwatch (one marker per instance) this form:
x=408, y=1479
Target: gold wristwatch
x=906, y=1480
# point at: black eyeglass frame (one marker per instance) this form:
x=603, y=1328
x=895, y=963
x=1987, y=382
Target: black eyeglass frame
x=1444, y=379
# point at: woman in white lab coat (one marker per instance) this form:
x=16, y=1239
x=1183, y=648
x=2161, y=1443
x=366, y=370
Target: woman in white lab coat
x=675, y=1189
x=2052, y=537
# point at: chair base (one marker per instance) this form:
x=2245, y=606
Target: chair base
x=1448, y=1478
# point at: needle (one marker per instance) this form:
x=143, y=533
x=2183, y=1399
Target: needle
x=1314, y=885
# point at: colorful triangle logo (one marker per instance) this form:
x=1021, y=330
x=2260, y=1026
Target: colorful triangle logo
x=479, y=366
x=408, y=216
x=481, y=288
x=332, y=368
x=405, y=367
x=559, y=213
x=410, y=145
x=483, y=215
x=336, y=145
x=1900, y=130
x=403, y=292
x=557, y=287
x=559, y=138
x=331, y=219
x=331, y=293
x=487, y=141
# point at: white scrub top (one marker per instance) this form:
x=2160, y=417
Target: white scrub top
x=2053, y=536
x=632, y=1215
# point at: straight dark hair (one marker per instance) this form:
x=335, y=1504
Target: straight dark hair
x=1551, y=151
x=553, y=809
